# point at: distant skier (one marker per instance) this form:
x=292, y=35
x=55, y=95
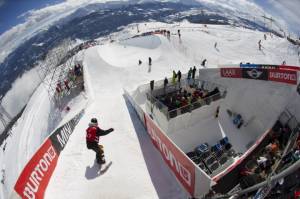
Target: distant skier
x=203, y=63
x=179, y=34
x=216, y=44
x=92, y=139
x=259, y=44
x=265, y=36
x=150, y=61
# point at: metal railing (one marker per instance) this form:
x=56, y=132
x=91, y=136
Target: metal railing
x=161, y=90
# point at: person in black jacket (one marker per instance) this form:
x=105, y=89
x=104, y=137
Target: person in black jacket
x=92, y=139
x=194, y=72
x=179, y=76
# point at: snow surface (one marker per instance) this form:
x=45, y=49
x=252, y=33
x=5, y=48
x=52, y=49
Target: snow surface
x=137, y=170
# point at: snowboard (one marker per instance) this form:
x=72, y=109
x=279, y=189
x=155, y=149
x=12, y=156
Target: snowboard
x=104, y=167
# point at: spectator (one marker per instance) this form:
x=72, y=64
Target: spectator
x=189, y=76
x=67, y=85
x=194, y=72
x=179, y=76
x=203, y=63
x=174, y=76
x=77, y=70
x=273, y=147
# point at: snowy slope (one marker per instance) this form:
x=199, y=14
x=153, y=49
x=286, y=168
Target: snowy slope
x=110, y=68
x=137, y=170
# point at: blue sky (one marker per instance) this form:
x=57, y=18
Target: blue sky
x=11, y=10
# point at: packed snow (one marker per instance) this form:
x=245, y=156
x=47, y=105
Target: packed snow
x=137, y=169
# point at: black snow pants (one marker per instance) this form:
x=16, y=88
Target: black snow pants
x=97, y=148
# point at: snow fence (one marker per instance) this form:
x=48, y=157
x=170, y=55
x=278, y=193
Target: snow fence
x=33, y=180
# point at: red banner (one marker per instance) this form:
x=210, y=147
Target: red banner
x=285, y=67
x=231, y=72
x=35, y=177
x=182, y=167
x=285, y=76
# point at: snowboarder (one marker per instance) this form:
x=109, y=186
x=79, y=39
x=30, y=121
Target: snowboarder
x=259, y=44
x=92, y=139
x=203, y=62
x=150, y=61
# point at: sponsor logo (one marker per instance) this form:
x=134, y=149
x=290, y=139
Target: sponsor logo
x=36, y=176
x=64, y=135
x=231, y=72
x=285, y=76
x=182, y=167
x=255, y=74
x=169, y=156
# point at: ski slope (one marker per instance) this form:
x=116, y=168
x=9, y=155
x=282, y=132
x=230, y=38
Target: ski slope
x=137, y=169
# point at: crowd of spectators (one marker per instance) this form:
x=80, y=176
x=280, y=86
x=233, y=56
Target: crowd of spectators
x=71, y=80
x=271, y=158
x=187, y=98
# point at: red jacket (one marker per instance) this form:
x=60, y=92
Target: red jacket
x=94, y=132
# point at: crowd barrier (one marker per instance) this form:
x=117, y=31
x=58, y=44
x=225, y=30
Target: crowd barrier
x=271, y=74
x=195, y=181
x=34, y=178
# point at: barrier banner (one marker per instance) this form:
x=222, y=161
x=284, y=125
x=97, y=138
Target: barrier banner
x=182, y=167
x=263, y=66
x=35, y=177
x=231, y=72
x=60, y=137
x=285, y=76
x=255, y=73
x=285, y=67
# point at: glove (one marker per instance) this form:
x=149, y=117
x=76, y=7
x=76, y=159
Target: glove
x=111, y=130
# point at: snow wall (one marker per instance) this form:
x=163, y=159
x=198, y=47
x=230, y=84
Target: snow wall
x=33, y=180
x=259, y=102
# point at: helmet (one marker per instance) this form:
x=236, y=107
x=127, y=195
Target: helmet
x=94, y=121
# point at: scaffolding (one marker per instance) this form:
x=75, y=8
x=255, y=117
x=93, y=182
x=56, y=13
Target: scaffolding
x=57, y=69
x=5, y=117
